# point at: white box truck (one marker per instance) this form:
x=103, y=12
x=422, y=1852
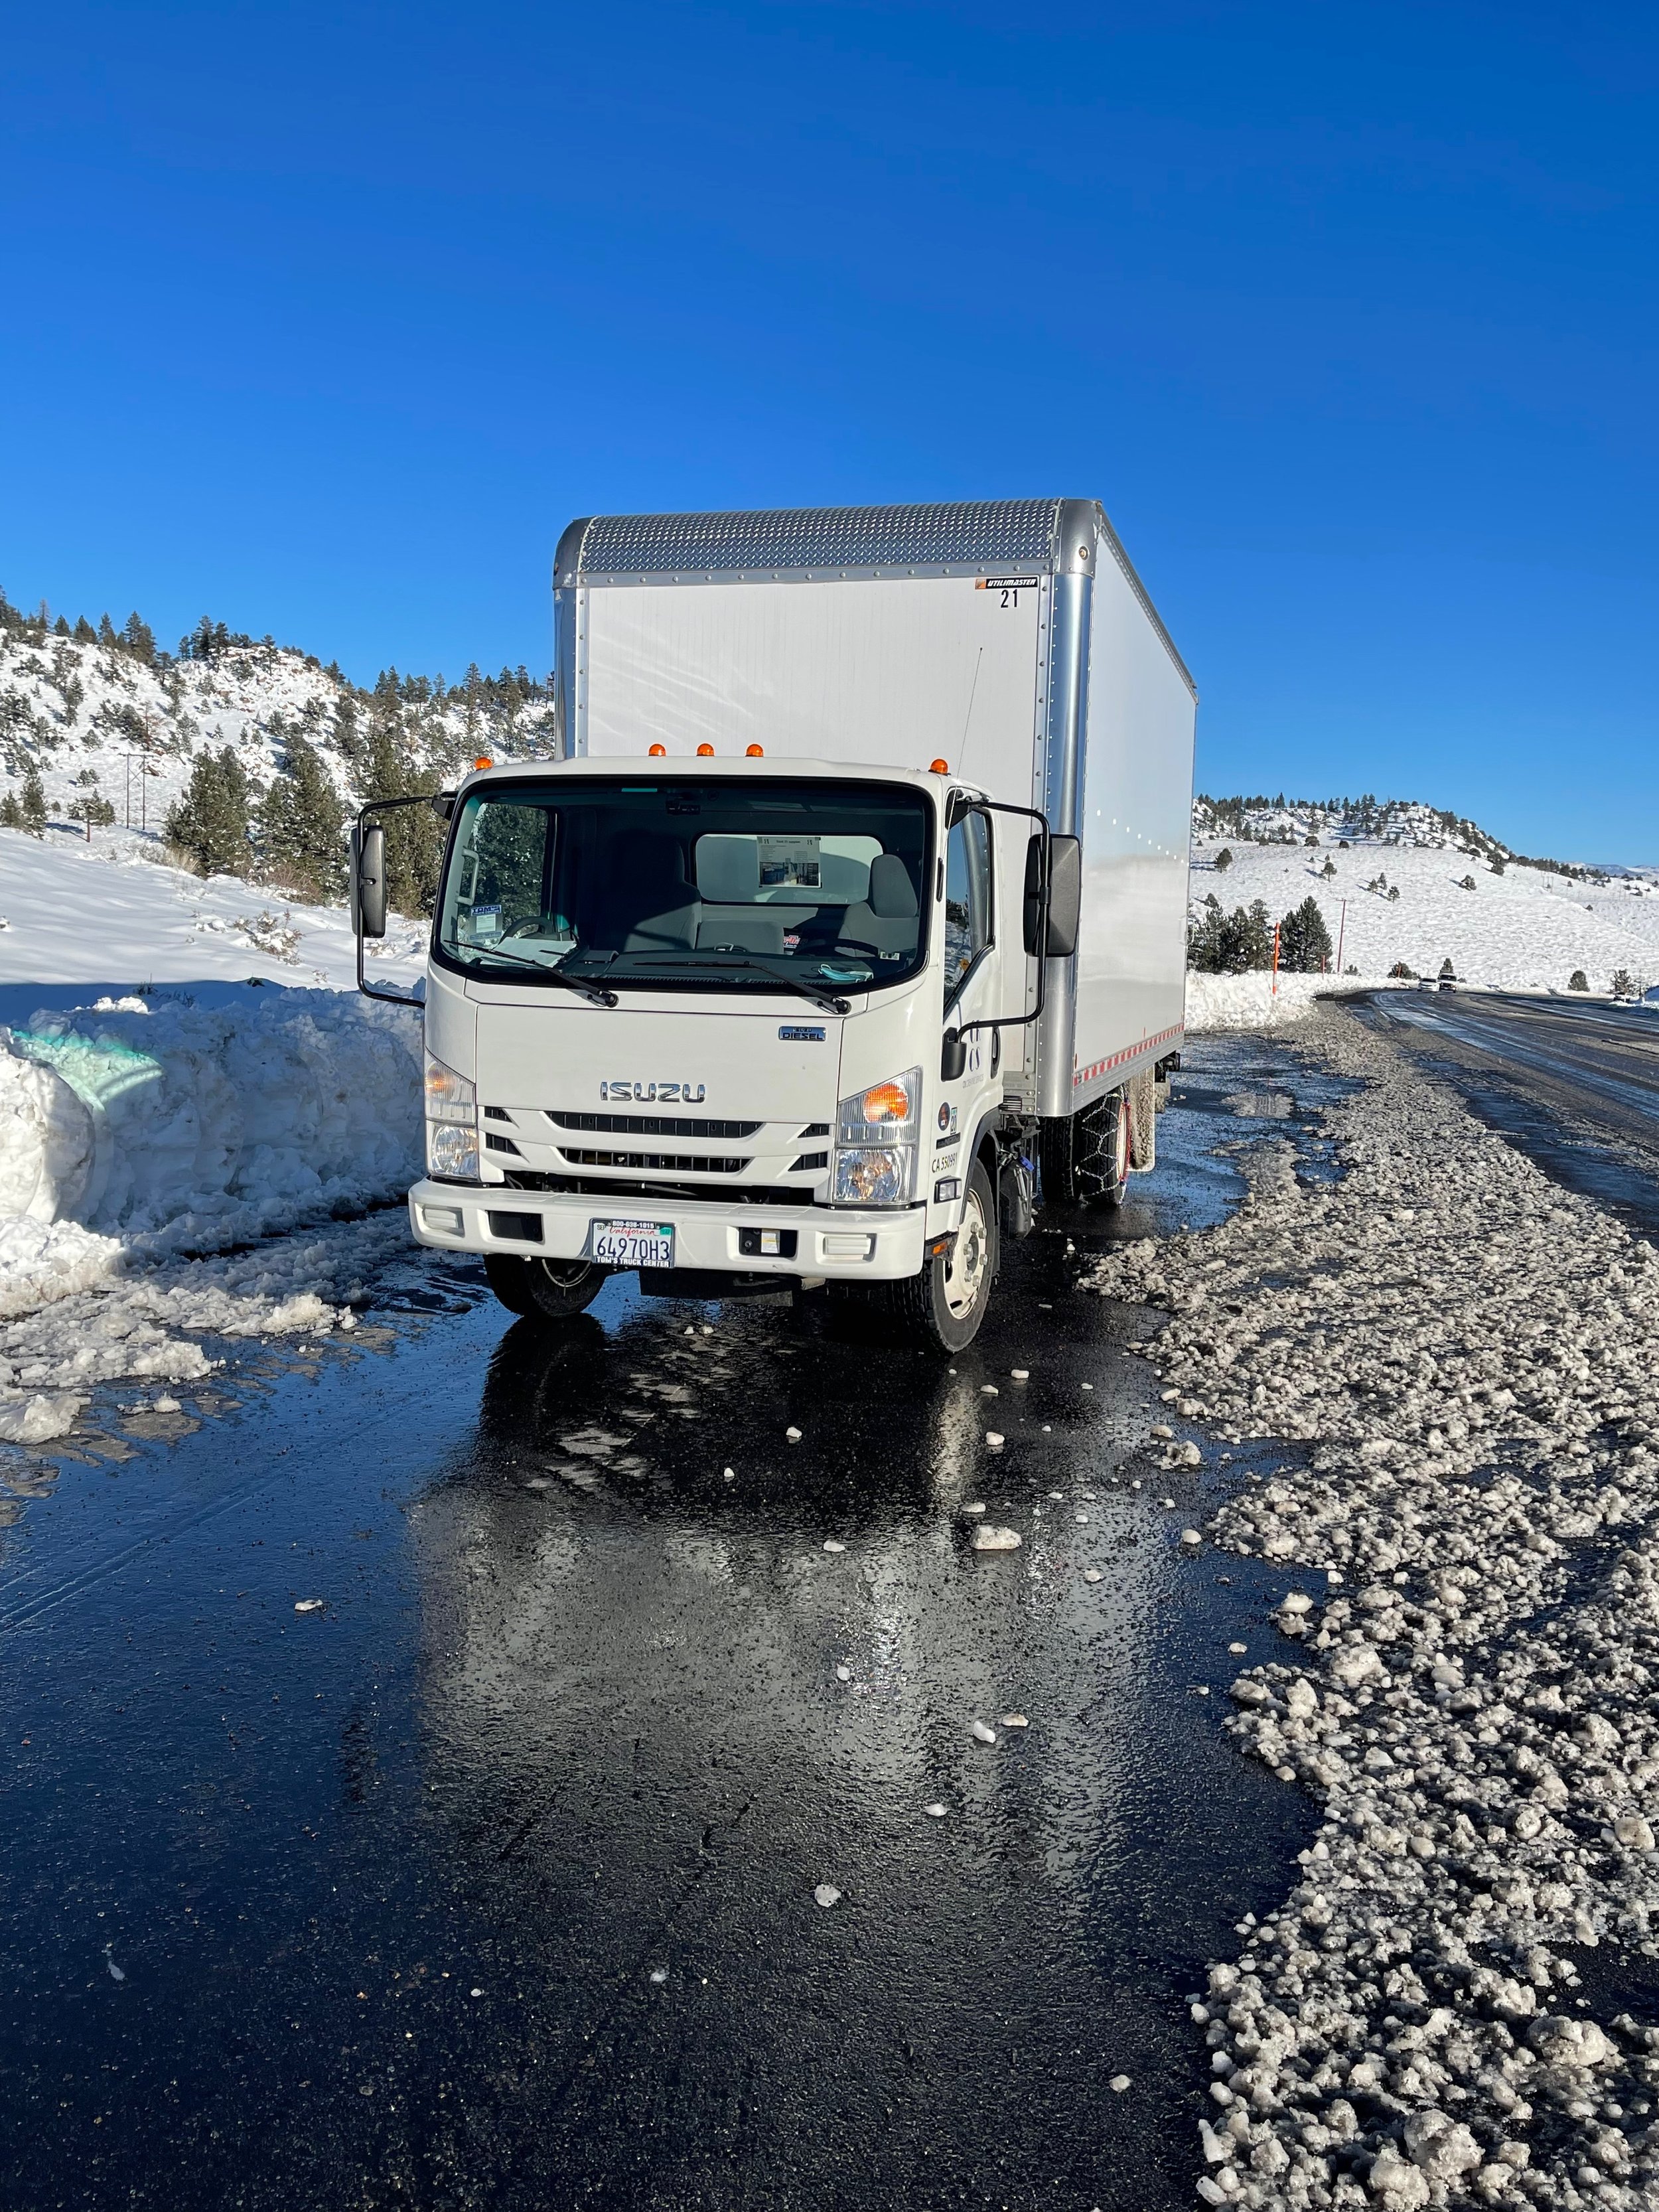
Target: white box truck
x=851, y=919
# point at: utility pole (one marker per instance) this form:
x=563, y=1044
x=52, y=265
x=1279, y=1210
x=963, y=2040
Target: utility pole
x=1274, y=993
x=1342, y=931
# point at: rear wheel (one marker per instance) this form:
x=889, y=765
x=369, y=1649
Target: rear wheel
x=546, y=1289
x=941, y=1309
x=1085, y=1158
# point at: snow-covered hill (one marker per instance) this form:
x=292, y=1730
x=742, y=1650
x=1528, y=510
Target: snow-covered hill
x=75, y=706
x=1405, y=883
x=101, y=914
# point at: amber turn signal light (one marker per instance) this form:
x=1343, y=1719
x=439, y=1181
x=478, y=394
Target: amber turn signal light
x=939, y=767
x=887, y=1102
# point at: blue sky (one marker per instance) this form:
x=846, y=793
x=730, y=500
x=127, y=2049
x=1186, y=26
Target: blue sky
x=325, y=321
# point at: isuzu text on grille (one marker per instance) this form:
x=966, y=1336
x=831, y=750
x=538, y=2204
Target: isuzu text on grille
x=661, y=1094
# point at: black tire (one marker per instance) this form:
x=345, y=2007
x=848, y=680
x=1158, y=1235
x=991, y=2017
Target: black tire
x=940, y=1310
x=544, y=1289
x=1085, y=1158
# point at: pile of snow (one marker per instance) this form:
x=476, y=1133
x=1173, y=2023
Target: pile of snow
x=1470, y=1574
x=144, y=1126
x=140, y=1129
x=1253, y=1001
x=141, y=1327
x=1527, y=929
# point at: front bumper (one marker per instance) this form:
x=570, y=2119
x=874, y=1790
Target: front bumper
x=873, y=1244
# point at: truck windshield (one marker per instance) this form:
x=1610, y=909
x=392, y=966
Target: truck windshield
x=688, y=884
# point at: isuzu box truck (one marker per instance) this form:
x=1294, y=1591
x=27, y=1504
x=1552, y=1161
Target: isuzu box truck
x=851, y=921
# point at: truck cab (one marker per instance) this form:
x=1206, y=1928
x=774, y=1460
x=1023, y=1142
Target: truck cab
x=719, y=1021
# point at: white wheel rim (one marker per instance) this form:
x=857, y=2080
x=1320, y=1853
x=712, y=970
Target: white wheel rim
x=964, y=1270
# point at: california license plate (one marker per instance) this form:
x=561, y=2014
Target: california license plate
x=632, y=1243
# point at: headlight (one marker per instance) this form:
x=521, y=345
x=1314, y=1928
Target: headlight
x=875, y=1142
x=867, y=1177
x=451, y=1122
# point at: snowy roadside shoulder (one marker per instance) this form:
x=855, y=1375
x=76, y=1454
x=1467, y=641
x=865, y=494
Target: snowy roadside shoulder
x=1259, y=1000
x=1465, y=1356
x=138, y=1131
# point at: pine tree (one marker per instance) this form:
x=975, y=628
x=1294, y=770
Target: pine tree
x=1223, y=860
x=139, y=640
x=302, y=824
x=1304, y=943
x=1219, y=943
x=83, y=633
x=211, y=822
x=1578, y=980
x=33, y=803
x=11, y=814
x=107, y=633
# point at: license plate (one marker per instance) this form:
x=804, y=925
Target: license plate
x=632, y=1243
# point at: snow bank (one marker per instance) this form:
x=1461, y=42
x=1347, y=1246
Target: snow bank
x=1249, y=1002
x=1461, y=1355
x=158, y=1127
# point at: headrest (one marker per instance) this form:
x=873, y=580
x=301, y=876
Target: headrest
x=892, y=895
x=648, y=858
x=728, y=870
x=844, y=880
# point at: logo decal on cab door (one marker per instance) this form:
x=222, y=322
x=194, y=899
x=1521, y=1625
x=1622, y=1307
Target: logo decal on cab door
x=658, y=1094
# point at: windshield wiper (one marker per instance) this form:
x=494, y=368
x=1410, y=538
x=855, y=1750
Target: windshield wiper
x=594, y=993
x=802, y=990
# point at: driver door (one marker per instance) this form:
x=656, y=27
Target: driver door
x=971, y=991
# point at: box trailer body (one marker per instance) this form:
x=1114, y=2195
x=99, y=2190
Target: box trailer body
x=1011, y=638
x=854, y=906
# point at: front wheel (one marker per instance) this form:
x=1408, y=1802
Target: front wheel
x=545, y=1290
x=941, y=1309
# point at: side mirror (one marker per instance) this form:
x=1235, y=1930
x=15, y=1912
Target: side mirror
x=953, y=1057
x=368, y=881
x=1031, y=911
x=1064, y=896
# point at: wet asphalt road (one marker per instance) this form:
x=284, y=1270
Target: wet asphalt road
x=1575, y=1084
x=491, y=1881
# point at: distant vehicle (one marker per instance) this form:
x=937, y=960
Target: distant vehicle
x=873, y=825
x=1427, y=983
x=1446, y=983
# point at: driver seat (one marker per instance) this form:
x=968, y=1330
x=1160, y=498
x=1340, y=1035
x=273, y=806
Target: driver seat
x=885, y=921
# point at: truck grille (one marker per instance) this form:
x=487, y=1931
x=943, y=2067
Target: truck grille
x=650, y=1125
x=659, y=1163
x=617, y=1187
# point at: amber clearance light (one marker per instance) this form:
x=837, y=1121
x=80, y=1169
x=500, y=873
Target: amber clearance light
x=658, y=751
x=484, y=761
x=939, y=767
x=755, y=753
x=887, y=1102
x=705, y=752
